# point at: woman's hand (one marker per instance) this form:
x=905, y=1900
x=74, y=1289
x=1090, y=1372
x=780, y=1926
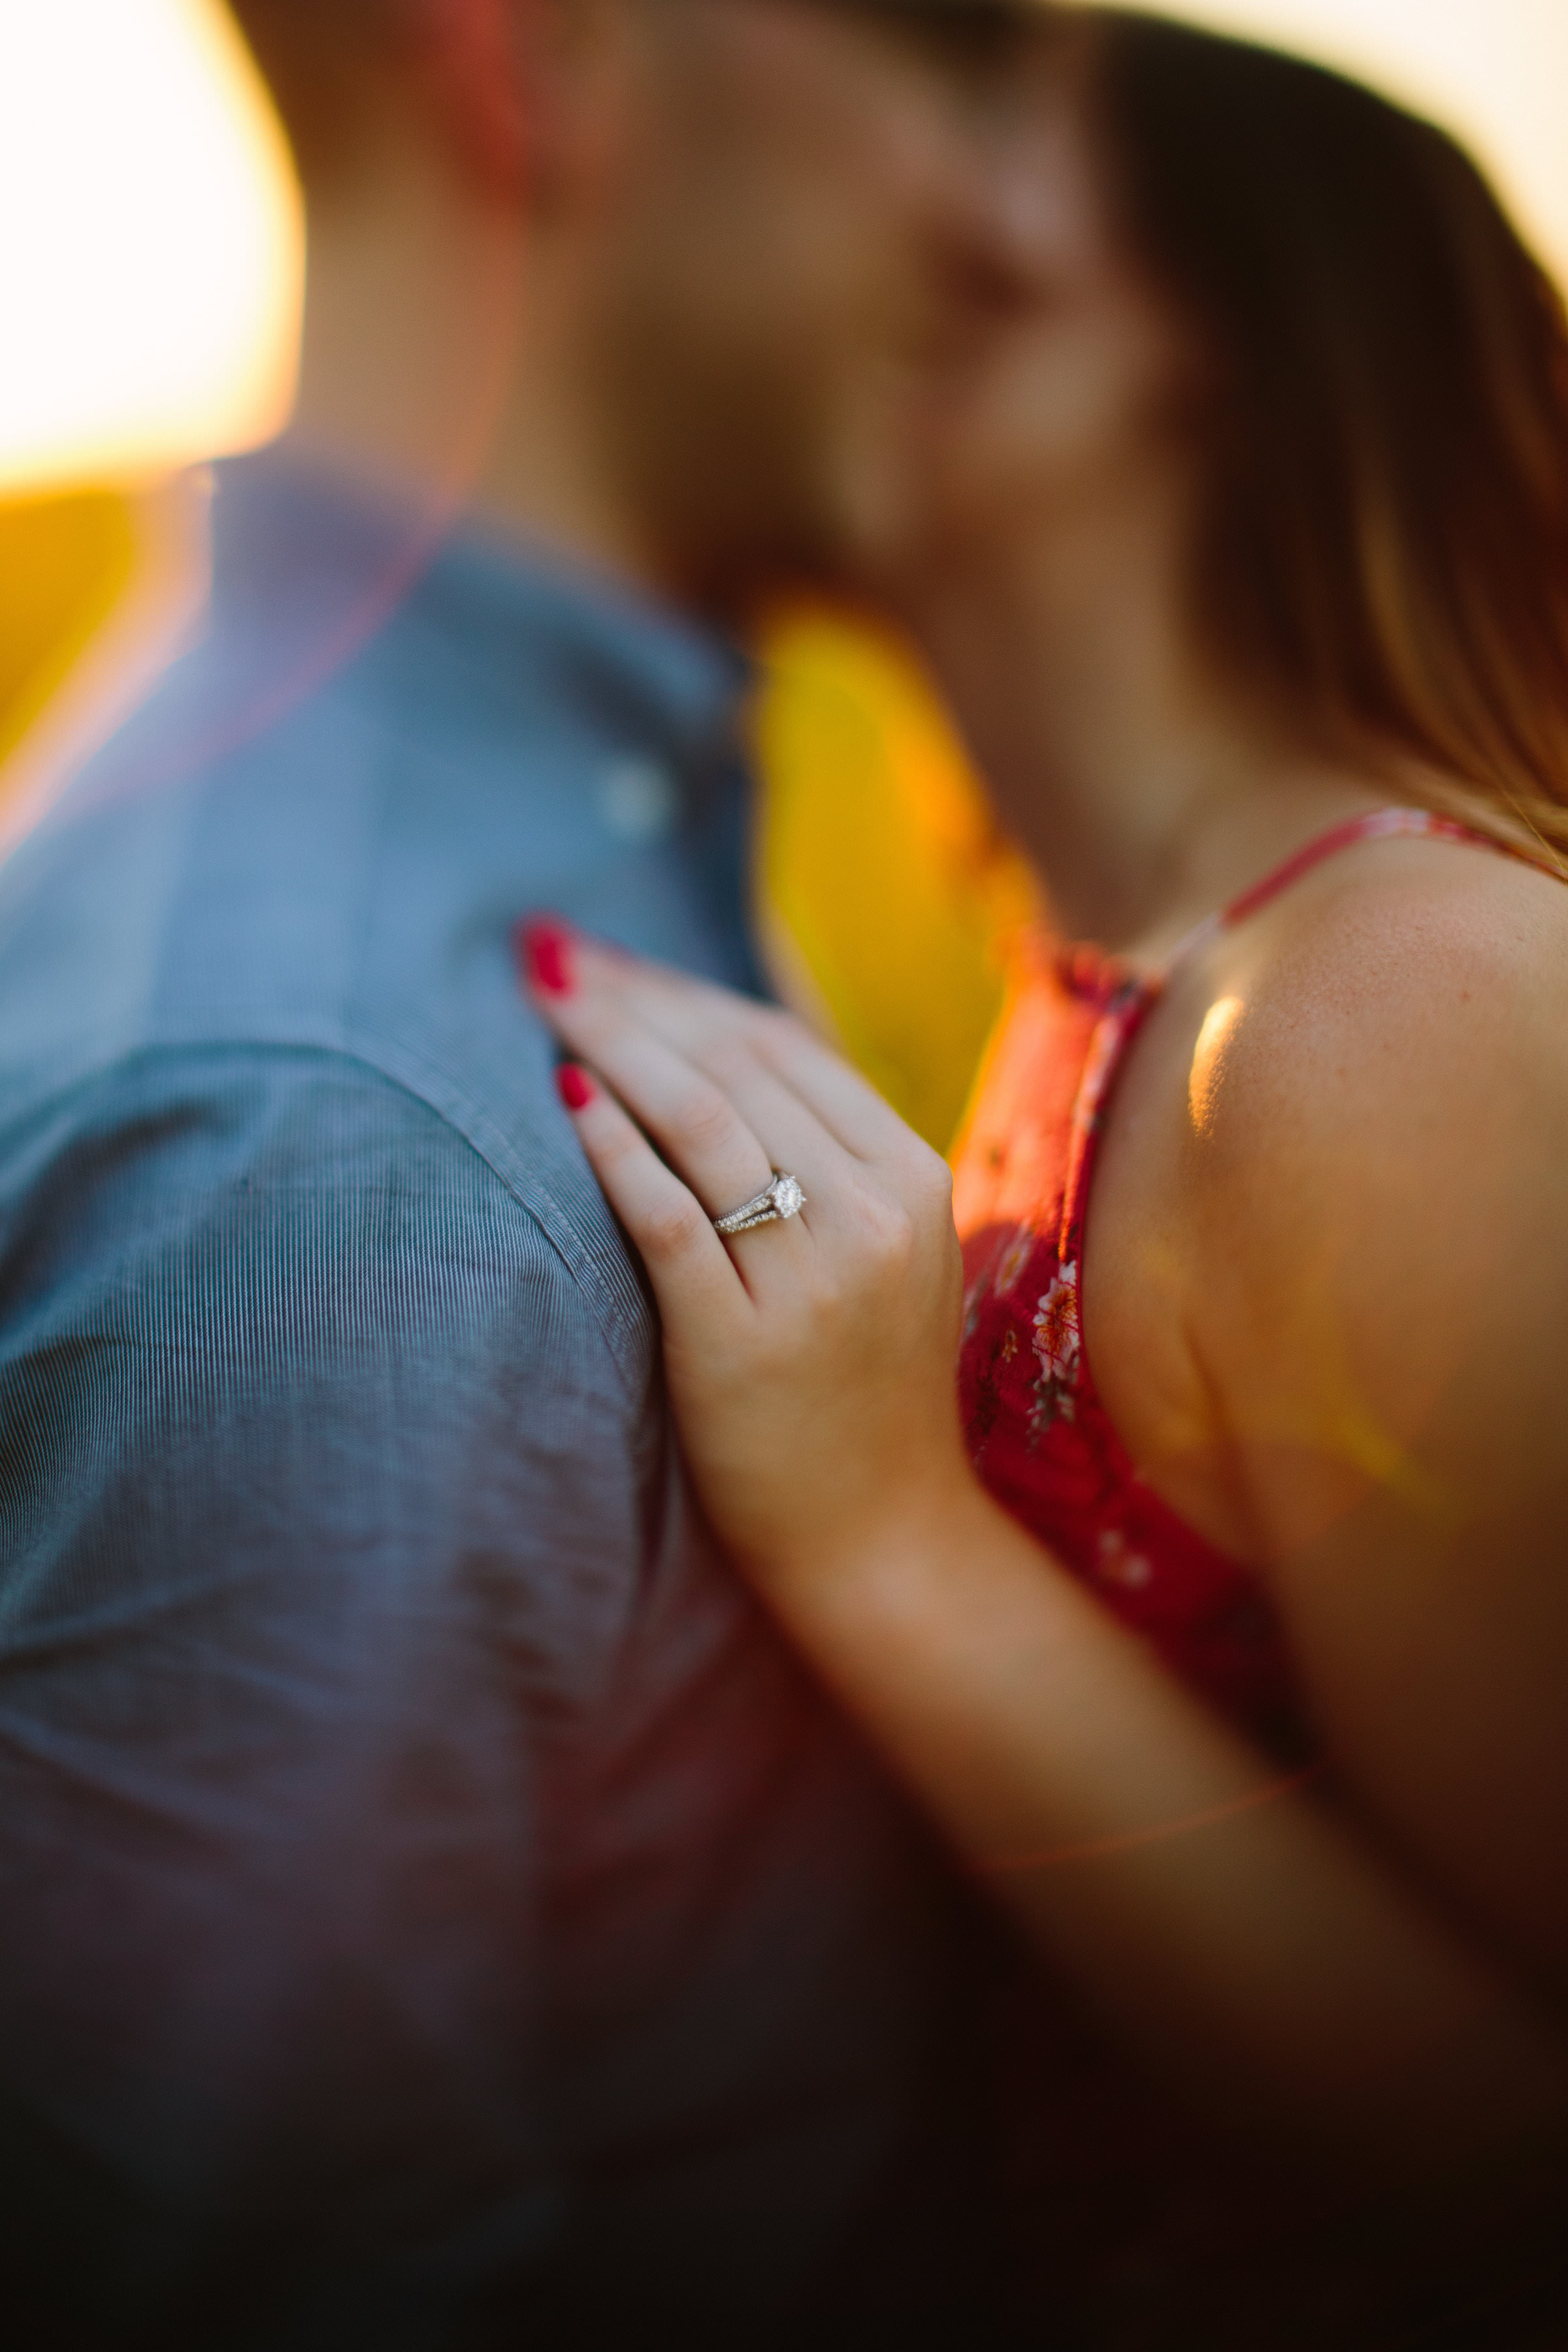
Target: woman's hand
x=810, y=1363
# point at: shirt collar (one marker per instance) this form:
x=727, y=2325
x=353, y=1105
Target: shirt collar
x=304, y=551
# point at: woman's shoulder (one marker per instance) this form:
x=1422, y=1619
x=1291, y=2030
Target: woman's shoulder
x=1409, y=987
x=1377, y=1128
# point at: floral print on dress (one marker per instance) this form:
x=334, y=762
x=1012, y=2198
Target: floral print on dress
x=1014, y=1260
x=1118, y=1564
x=1059, y=1347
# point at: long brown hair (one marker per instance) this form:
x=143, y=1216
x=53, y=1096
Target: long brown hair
x=1384, y=545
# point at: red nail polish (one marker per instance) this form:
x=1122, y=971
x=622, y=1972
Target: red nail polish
x=547, y=953
x=575, y=1087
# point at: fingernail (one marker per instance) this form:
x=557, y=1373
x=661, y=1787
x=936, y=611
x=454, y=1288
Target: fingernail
x=547, y=958
x=575, y=1087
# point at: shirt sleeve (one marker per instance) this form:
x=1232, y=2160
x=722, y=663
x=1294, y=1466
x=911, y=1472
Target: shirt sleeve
x=319, y=1499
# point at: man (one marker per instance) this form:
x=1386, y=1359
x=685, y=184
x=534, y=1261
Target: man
x=435, y=1909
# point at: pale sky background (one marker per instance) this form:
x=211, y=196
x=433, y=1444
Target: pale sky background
x=151, y=258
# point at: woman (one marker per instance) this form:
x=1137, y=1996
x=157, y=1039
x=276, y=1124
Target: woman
x=1224, y=1627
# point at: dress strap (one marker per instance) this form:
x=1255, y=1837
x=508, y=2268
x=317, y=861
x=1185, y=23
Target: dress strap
x=1378, y=825
x=1121, y=1016
x=1128, y=1004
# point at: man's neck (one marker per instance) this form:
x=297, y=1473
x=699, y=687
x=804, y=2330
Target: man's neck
x=440, y=357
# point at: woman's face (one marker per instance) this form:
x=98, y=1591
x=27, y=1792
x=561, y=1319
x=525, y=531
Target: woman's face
x=1085, y=394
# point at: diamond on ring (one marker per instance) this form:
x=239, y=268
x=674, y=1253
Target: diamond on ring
x=784, y=1199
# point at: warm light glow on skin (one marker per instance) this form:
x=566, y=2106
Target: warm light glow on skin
x=1208, y=1055
x=1493, y=71
x=1324, y=1415
x=152, y=242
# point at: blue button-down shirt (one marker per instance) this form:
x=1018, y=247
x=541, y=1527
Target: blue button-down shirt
x=427, y=1888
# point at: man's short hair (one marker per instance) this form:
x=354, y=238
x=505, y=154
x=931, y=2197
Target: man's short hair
x=309, y=52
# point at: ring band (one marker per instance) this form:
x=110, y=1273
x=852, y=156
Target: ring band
x=783, y=1199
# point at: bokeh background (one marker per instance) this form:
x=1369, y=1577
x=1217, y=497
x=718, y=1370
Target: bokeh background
x=152, y=274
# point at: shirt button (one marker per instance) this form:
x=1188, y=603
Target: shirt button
x=640, y=801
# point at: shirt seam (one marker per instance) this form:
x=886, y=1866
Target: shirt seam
x=379, y=1058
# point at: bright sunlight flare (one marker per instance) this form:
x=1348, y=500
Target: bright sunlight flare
x=152, y=246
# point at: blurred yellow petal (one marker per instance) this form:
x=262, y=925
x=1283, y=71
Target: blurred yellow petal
x=98, y=588
x=889, y=899
x=64, y=565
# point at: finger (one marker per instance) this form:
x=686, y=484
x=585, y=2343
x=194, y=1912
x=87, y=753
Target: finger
x=791, y=1135
x=719, y=1031
x=725, y=1140
x=692, y=1273
x=845, y=1103
x=722, y=1031
x=696, y=1126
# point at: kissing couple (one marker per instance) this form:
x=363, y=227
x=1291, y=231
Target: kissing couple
x=997, y=1774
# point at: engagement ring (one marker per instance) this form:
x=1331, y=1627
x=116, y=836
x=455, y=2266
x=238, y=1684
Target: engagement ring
x=783, y=1199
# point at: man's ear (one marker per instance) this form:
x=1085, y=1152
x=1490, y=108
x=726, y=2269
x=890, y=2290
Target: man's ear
x=529, y=88
x=469, y=62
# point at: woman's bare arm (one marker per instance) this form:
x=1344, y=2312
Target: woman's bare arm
x=1375, y=1280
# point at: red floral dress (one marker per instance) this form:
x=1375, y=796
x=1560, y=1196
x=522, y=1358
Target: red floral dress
x=1038, y=1434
